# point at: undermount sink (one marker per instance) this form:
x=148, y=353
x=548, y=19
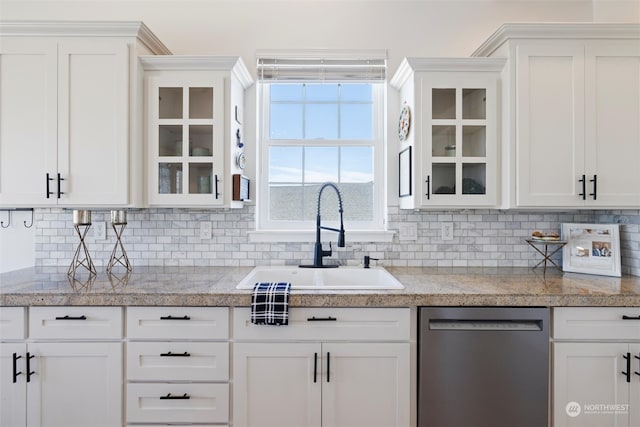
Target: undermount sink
x=323, y=278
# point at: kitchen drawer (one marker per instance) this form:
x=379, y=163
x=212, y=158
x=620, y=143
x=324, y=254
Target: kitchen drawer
x=184, y=323
x=178, y=361
x=187, y=403
x=75, y=322
x=353, y=324
x=609, y=323
x=12, y=323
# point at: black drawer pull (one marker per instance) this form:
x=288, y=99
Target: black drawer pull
x=83, y=317
x=175, y=318
x=15, y=367
x=321, y=319
x=169, y=397
x=29, y=371
x=49, y=192
x=315, y=367
x=169, y=354
x=59, y=192
x=584, y=192
x=625, y=317
x=628, y=373
x=637, y=357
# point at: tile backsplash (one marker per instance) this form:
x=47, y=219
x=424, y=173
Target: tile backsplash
x=170, y=237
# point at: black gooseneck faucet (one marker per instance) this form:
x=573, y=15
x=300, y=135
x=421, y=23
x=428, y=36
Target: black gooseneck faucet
x=318, y=252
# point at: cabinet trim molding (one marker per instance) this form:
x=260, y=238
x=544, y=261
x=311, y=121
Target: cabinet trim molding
x=551, y=30
x=85, y=29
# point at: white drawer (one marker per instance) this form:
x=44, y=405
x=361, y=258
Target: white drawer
x=75, y=322
x=354, y=324
x=609, y=323
x=183, y=323
x=12, y=323
x=187, y=403
x=178, y=361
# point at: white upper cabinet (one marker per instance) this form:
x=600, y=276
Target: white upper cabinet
x=571, y=131
x=194, y=129
x=449, y=156
x=69, y=113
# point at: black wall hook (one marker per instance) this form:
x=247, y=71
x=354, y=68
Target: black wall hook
x=9, y=213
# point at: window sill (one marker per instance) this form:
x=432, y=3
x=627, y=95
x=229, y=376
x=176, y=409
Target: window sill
x=309, y=236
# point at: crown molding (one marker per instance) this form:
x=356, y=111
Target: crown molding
x=410, y=65
x=135, y=29
x=233, y=64
x=557, y=30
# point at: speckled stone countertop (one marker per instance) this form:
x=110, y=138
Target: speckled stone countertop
x=215, y=286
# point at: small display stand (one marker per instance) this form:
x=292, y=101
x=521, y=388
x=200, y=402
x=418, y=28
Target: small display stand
x=118, y=222
x=81, y=258
x=547, y=253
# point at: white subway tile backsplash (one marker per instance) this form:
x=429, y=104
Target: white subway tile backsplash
x=171, y=237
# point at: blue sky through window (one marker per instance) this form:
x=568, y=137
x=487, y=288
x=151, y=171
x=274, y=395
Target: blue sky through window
x=315, y=114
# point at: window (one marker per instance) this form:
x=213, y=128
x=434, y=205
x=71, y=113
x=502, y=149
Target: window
x=314, y=132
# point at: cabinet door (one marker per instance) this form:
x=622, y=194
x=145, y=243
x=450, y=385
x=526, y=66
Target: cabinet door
x=277, y=384
x=549, y=123
x=460, y=139
x=28, y=121
x=75, y=385
x=587, y=375
x=13, y=395
x=93, y=111
x=612, y=127
x=185, y=128
x=365, y=385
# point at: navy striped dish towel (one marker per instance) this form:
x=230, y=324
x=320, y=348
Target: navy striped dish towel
x=270, y=304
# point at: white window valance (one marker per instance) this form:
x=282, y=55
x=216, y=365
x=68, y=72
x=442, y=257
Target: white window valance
x=322, y=65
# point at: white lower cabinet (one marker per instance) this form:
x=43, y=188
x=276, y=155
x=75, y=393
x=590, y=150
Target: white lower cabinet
x=291, y=377
x=72, y=379
x=596, y=374
x=75, y=385
x=177, y=365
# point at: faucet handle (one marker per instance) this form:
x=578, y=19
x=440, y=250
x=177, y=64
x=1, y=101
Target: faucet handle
x=329, y=252
x=368, y=259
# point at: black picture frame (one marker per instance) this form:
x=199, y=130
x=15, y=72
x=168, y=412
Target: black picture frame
x=404, y=172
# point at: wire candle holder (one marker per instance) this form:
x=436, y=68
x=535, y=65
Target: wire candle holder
x=81, y=258
x=119, y=254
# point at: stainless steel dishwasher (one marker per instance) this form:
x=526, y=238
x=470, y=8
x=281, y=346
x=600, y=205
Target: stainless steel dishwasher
x=483, y=367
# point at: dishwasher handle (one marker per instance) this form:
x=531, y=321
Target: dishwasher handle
x=485, y=325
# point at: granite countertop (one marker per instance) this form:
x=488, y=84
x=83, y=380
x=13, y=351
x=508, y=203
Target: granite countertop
x=215, y=286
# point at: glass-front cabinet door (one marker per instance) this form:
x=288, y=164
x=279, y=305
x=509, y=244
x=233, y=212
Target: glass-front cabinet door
x=459, y=140
x=186, y=132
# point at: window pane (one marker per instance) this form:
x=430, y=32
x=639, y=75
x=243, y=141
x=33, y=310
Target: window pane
x=285, y=121
x=321, y=92
x=320, y=164
x=356, y=92
x=286, y=92
x=285, y=164
x=357, y=201
x=321, y=121
x=356, y=164
x=356, y=121
x=285, y=202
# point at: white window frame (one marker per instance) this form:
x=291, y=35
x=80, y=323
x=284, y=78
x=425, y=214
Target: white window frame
x=299, y=229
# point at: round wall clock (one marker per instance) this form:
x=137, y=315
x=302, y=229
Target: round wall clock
x=404, y=123
x=241, y=160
